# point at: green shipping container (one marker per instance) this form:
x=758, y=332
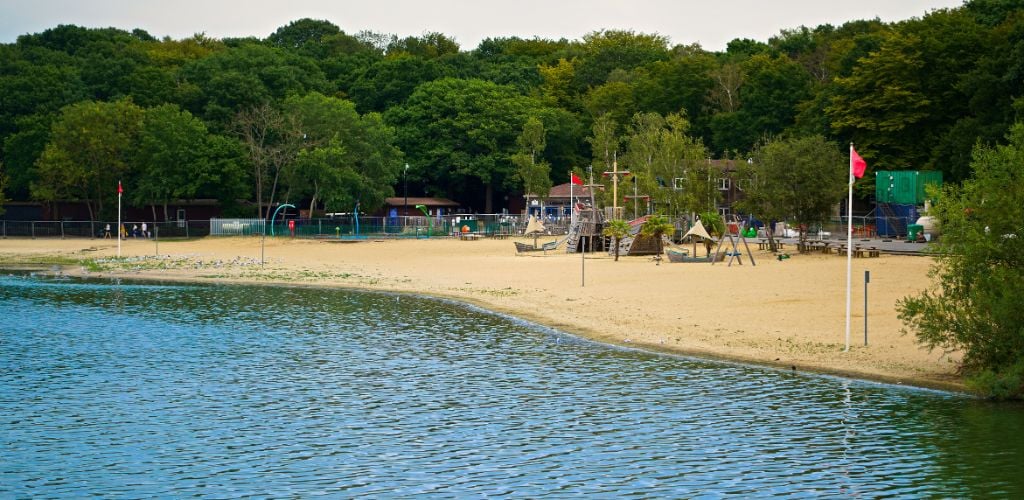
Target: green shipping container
x=904, y=186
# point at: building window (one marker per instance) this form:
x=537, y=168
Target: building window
x=677, y=183
x=723, y=211
x=724, y=183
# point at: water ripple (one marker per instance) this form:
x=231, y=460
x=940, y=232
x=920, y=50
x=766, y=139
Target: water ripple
x=152, y=390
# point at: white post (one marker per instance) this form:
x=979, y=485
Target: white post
x=849, y=247
x=119, y=190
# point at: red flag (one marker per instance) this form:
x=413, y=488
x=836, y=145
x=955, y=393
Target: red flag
x=119, y=188
x=857, y=164
x=575, y=179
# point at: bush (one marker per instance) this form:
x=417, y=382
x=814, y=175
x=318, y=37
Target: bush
x=974, y=306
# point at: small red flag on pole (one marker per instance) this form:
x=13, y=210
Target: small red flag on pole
x=120, y=189
x=857, y=164
x=575, y=179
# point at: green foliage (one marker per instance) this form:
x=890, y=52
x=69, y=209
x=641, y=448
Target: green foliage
x=3, y=188
x=712, y=223
x=912, y=94
x=616, y=229
x=175, y=157
x=667, y=163
x=346, y=158
x=605, y=51
x=655, y=227
x=800, y=179
x=532, y=170
x=88, y=153
x=462, y=133
x=974, y=305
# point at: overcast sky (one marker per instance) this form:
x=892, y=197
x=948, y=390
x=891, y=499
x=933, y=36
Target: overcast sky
x=712, y=23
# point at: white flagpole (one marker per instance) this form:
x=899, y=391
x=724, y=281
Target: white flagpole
x=118, y=218
x=849, y=247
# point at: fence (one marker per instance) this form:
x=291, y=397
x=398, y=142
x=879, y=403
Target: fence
x=338, y=227
x=869, y=226
x=97, y=229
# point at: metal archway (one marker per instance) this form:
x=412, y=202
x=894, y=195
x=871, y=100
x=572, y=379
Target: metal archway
x=275, y=216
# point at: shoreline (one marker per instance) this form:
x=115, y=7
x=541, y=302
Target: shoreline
x=779, y=314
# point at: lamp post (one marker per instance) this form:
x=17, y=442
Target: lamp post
x=405, y=207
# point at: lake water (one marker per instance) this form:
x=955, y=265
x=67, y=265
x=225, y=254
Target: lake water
x=139, y=390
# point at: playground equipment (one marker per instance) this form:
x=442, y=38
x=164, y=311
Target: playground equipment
x=535, y=227
x=679, y=254
x=738, y=227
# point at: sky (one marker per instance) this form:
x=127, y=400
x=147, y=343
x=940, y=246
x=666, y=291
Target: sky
x=711, y=23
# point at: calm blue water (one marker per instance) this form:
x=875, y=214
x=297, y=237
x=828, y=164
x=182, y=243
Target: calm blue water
x=134, y=390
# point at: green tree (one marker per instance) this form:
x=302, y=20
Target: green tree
x=390, y=81
x=3, y=188
x=346, y=158
x=616, y=229
x=663, y=158
x=177, y=158
x=271, y=139
x=655, y=227
x=429, y=46
x=88, y=153
x=608, y=50
x=613, y=98
x=530, y=165
x=604, y=143
x=974, y=305
x=459, y=135
x=800, y=179
x=247, y=76
x=306, y=36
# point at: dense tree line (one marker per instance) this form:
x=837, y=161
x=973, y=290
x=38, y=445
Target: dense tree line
x=315, y=115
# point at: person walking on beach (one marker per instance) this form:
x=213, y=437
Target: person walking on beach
x=145, y=231
x=106, y=232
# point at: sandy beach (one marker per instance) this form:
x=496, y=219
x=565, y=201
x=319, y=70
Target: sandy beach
x=788, y=313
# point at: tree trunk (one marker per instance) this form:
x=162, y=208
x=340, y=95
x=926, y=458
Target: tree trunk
x=489, y=198
x=166, y=218
x=616, y=243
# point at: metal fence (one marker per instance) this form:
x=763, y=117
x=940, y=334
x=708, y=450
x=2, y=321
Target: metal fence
x=337, y=227
x=99, y=229
x=869, y=226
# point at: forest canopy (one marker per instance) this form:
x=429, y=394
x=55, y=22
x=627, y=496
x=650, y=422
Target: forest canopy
x=244, y=119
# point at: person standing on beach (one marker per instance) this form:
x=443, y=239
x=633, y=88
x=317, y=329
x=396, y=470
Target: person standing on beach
x=106, y=231
x=145, y=231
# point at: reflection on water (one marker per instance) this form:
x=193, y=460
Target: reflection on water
x=158, y=390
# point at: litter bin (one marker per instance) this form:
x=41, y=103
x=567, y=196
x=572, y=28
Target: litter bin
x=912, y=230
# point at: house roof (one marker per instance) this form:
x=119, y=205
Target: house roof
x=399, y=201
x=562, y=191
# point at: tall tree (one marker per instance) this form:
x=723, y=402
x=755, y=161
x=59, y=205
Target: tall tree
x=668, y=165
x=346, y=158
x=177, y=158
x=88, y=153
x=800, y=179
x=530, y=165
x=271, y=140
x=460, y=134
x=605, y=143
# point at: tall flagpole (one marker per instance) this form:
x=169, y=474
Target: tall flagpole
x=119, y=191
x=849, y=247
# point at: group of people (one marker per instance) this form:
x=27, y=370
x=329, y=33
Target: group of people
x=135, y=232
